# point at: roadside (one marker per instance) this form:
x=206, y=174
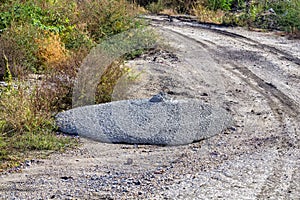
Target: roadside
x=45, y=44
x=253, y=75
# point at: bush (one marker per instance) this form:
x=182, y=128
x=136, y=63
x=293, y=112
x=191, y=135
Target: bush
x=27, y=107
x=204, y=14
x=106, y=18
x=42, y=45
x=225, y=5
x=26, y=23
x=51, y=50
x=25, y=124
x=22, y=42
x=156, y=7
x=288, y=14
x=42, y=15
x=33, y=25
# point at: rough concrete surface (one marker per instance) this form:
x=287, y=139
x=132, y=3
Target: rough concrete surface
x=145, y=121
x=255, y=76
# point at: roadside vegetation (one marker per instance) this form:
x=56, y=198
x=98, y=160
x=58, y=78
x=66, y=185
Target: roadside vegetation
x=265, y=15
x=42, y=45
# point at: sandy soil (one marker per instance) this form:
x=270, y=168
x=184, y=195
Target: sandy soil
x=255, y=76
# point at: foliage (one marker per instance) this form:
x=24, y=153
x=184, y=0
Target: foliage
x=269, y=14
x=127, y=45
x=288, y=14
x=236, y=12
x=156, y=7
x=220, y=4
x=25, y=125
x=106, y=18
x=42, y=45
x=22, y=38
x=51, y=50
x=205, y=14
x=108, y=81
x=178, y=6
x=30, y=24
x=33, y=13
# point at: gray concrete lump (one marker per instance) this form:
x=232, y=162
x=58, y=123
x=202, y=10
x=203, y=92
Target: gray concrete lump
x=158, y=121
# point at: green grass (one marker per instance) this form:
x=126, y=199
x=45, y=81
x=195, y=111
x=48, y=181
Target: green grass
x=18, y=148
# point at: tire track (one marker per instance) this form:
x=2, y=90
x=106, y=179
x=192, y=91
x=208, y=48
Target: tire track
x=282, y=106
x=270, y=90
x=189, y=22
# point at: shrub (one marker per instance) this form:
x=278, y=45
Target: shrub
x=108, y=81
x=220, y=4
x=204, y=14
x=18, y=107
x=29, y=23
x=33, y=12
x=106, y=18
x=42, y=45
x=288, y=14
x=73, y=25
x=252, y=13
x=51, y=50
x=156, y=7
x=26, y=121
x=21, y=47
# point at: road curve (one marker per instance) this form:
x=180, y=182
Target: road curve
x=254, y=76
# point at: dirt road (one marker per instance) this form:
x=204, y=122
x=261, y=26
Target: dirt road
x=255, y=76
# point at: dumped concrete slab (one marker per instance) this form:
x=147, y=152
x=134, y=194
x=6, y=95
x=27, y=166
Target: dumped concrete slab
x=158, y=121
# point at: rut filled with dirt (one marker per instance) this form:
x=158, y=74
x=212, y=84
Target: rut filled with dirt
x=254, y=76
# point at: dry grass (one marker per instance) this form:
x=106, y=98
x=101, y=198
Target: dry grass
x=206, y=15
x=168, y=11
x=51, y=51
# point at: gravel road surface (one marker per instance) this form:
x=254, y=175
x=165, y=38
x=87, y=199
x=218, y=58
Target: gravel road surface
x=255, y=76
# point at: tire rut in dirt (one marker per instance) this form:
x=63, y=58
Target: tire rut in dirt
x=189, y=22
x=288, y=104
x=284, y=172
x=282, y=107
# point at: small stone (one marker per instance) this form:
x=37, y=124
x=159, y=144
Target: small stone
x=137, y=182
x=27, y=163
x=129, y=161
x=159, y=172
x=66, y=177
x=94, y=177
x=158, y=98
x=232, y=128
